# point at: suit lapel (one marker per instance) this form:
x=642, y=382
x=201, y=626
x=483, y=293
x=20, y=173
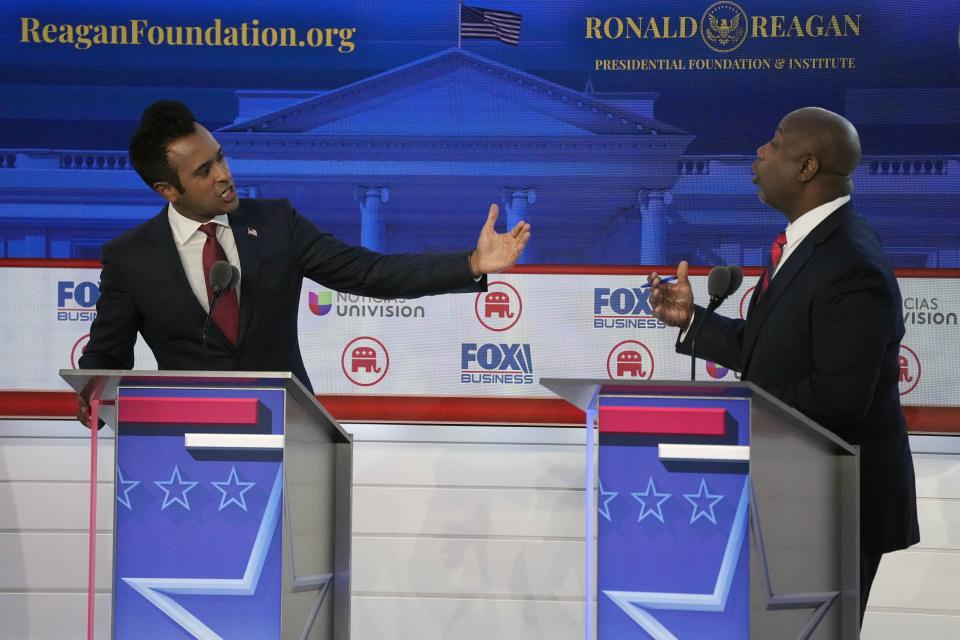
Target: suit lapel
x=247, y=240
x=166, y=260
x=761, y=306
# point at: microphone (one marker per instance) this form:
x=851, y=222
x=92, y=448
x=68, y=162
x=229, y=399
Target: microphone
x=235, y=278
x=736, y=279
x=717, y=284
x=223, y=277
x=721, y=283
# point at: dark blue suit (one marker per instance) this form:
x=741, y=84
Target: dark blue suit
x=825, y=339
x=144, y=289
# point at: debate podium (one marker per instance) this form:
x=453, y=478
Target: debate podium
x=232, y=506
x=718, y=512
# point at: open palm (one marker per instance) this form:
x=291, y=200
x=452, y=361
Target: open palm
x=497, y=252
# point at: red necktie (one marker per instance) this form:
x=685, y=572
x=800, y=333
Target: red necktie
x=776, y=252
x=227, y=312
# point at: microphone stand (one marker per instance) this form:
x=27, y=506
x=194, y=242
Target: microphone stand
x=206, y=327
x=714, y=303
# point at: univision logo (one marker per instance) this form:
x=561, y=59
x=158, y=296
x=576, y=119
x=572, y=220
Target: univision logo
x=320, y=303
x=348, y=305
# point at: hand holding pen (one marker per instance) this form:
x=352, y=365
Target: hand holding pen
x=671, y=297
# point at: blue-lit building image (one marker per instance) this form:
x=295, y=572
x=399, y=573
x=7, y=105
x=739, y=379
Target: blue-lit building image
x=409, y=159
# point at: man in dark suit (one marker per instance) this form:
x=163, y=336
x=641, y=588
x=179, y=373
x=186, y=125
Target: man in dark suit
x=155, y=277
x=823, y=328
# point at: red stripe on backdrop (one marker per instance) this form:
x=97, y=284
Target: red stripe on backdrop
x=534, y=411
x=546, y=269
x=944, y=420
x=49, y=263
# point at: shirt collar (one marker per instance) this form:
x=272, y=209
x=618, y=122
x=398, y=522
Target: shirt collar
x=802, y=226
x=183, y=227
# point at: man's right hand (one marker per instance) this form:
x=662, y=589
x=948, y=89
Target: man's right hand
x=672, y=303
x=83, y=411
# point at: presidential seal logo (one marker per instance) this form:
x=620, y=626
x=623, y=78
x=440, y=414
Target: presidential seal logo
x=724, y=26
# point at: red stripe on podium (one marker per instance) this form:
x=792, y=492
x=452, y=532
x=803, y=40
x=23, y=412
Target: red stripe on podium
x=227, y=411
x=692, y=421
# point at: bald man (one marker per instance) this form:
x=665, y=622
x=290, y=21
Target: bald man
x=823, y=328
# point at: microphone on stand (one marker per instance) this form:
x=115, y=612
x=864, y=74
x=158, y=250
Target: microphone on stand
x=721, y=283
x=223, y=277
x=736, y=279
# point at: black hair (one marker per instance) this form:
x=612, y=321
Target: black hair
x=161, y=123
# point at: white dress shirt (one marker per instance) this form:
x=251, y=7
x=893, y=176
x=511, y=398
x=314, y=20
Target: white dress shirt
x=802, y=226
x=796, y=231
x=189, y=240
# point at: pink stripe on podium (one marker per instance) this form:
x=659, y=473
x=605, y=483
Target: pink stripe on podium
x=152, y=410
x=688, y=421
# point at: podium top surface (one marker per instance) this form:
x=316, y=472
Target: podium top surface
x=105, y=382
x=582, y=392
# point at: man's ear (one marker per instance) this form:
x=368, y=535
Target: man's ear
x=167, y=191
x=809, y=167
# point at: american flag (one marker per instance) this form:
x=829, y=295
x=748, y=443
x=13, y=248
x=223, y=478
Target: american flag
x=490, y=24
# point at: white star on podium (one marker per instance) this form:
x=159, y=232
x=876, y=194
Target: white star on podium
x=179, y=493
x=703, y=496
x=659, y=498
x=158, y=590
x=124, y=487
x=229, y=497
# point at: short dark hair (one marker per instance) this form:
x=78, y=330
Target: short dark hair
x=161, y=123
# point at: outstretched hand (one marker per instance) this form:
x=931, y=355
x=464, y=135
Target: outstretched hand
x=672, y=303
x=497, y=252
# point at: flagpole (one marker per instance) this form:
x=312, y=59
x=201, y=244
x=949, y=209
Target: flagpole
x=459, y=24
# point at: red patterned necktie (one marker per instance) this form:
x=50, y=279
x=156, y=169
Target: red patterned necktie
x=776, y=252
x=227, y=312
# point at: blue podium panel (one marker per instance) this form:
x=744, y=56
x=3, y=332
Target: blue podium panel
x=673, y=518
x=197, y=530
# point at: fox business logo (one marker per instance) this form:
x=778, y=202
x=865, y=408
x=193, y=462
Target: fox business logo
x=496, y=363
x=623, y=309
x=77, y=301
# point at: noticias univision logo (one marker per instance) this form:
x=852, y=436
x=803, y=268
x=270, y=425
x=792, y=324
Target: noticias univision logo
x=320, y=303
x=715, y=371
x=349, y=305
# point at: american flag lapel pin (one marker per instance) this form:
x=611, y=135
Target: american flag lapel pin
x=251, y=232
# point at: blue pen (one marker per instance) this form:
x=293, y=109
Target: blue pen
x=662, y=280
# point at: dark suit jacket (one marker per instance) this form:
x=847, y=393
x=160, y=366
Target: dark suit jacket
x=825, y=339
x=143, y=288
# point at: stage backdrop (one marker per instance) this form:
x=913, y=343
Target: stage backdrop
x=624, y=133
